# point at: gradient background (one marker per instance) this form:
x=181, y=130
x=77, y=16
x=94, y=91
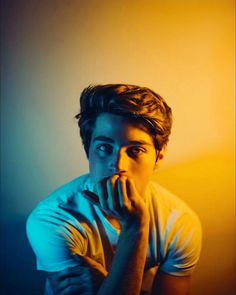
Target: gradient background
x=182, y=49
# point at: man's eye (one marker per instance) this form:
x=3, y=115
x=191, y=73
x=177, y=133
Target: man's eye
x=104, y=148
x=135, y=151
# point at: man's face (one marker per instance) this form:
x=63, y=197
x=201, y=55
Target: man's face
x=121, y=145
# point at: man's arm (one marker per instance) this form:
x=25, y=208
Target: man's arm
x=128, y=264
x=165, y=284
x=125, y=277
x=85, y=278
x=124, y=203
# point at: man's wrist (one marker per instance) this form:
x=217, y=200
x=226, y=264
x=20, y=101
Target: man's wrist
x=137, y=227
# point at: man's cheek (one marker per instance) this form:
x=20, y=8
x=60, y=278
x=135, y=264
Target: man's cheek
x=97, y=175
x=141, y=183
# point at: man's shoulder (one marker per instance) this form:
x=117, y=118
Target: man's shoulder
x=168, y=204
x=65, y=196
x=71, y=187
x=179, y=229
x=62, y=206
x=163, y=196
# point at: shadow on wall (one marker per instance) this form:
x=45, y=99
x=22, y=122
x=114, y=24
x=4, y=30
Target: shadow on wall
x=207, y=185
x=18, y=270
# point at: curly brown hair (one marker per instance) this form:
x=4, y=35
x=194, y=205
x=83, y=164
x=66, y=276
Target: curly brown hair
x=139, y=103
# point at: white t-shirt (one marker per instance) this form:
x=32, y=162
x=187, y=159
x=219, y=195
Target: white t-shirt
x=66, y=223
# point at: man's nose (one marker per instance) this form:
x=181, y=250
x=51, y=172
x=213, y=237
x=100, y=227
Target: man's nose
x=119, y=162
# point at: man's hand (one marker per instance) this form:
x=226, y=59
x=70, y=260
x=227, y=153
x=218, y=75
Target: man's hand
x=84, y=279
x=118, y=197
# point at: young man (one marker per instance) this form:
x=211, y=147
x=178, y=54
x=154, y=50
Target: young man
x=113, y=231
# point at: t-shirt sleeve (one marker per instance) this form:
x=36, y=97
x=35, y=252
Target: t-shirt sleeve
x=183, y=246
x=55, y=238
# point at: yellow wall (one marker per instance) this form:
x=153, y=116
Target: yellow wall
x=206, y=183
x=182, y=49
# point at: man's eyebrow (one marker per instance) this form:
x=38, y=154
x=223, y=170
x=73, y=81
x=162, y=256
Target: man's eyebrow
x=110, y=140
x=103, y=138
x=139, y=142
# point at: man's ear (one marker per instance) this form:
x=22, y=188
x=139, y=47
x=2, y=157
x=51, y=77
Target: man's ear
x=159, y=158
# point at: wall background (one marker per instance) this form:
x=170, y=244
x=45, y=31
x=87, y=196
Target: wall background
x=182, y=49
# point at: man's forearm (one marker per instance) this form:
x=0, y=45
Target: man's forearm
x=125, y=276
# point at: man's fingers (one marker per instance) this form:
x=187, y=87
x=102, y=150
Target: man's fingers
x=115, y=195
x=112, y=194
x=131, y=191
x=122, y=193
x=74, y=285
x=81, y=279
x=70, y=272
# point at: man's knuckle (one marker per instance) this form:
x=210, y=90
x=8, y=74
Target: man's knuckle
x=113, y=179
x=123, y=179
x=125, y=204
